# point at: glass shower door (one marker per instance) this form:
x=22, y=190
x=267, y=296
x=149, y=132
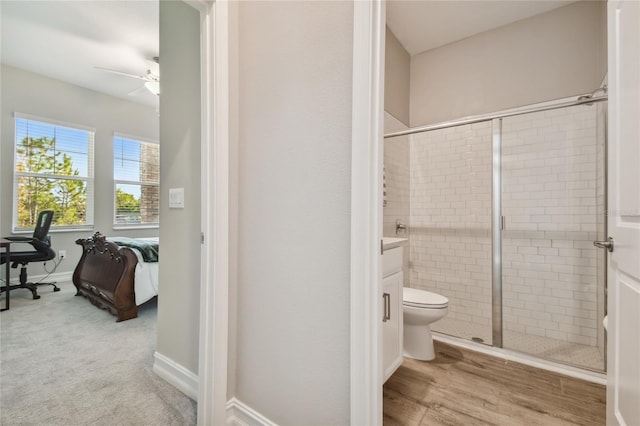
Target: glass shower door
x=553, y=202
x=450, y=217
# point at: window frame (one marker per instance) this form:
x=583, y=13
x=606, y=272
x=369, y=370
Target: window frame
x=139, y=140
x=89, y=179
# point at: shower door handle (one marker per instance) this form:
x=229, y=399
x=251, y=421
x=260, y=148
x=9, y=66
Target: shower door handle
x=605, y=244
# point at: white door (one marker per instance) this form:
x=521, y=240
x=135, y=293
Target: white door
x=623, y=336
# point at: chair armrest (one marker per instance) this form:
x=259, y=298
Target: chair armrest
x=40, y=245
x=19, y=239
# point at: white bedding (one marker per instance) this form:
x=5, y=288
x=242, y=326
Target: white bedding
x=146, y=281
x=146, y=277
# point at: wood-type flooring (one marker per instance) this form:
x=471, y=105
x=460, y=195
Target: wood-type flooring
x=464, y=388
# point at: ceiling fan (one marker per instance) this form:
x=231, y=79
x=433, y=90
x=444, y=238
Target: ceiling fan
x=151, y=77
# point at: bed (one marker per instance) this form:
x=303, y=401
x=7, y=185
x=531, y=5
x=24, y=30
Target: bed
x=116, y=273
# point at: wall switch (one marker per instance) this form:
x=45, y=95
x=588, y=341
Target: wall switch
x=62, y=254
x=176, y=198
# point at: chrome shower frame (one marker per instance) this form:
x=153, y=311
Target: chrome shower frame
x=497, y=220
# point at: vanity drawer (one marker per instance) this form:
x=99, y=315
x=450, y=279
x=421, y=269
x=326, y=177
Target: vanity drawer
x=391, y=261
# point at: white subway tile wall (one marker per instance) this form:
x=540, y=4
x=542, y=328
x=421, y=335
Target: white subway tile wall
x=396, y=185
x=549, y=189
x=553, y=200
x=396, y=171
x=450, y=244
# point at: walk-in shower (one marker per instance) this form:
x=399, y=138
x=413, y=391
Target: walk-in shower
x=502, y=211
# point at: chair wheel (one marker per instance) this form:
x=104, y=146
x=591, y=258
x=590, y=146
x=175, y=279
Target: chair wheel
x=36, y=296
x=56, y=289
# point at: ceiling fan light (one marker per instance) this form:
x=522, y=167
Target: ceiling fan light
x=153, y=87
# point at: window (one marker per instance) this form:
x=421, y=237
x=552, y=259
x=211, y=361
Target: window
x=136, y=175
x=53, y=171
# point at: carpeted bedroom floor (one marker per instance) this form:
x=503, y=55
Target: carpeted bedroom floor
x=65, y=362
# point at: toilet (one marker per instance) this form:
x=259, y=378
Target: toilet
x=420, y=309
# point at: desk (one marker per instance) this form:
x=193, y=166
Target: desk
x=6, y=244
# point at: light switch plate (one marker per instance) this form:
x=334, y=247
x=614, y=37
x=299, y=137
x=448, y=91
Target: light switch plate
x=176, y=198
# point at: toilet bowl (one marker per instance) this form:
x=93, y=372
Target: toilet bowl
x=420, y=309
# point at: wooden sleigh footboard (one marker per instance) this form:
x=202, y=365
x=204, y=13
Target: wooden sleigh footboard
x=105, y=275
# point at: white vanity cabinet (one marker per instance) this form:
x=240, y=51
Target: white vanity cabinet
x=392, y=310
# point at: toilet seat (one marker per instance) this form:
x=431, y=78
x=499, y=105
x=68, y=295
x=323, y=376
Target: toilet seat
x=423, y=299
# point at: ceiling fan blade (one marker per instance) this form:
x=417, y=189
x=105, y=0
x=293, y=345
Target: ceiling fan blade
x=154, y=65
x=139, y=91
x=139, y=77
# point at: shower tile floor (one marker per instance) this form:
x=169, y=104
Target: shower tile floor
x=542, y=347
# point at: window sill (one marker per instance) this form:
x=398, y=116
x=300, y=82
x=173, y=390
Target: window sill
x=53, y=230
x=131, y=227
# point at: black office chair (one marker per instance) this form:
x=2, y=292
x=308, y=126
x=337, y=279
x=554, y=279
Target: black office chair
x=41, y=242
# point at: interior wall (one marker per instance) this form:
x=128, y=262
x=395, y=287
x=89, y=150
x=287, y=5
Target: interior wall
x=396, y=186
x=397, y=66
x=554, y=55
x=293, y=246
x=179, y=285
x=40, y=96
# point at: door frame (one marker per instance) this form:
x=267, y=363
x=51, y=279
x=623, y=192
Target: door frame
x=366, y=212
x=623, y=204
x=214, y=253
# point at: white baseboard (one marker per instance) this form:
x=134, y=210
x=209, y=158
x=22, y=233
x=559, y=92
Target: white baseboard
x=176, y=375
x=240, y=414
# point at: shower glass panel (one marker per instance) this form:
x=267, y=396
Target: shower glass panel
x=450, y=217
x=553, y=202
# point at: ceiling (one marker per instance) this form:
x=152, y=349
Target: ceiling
x=427, y=24
x=66, y=40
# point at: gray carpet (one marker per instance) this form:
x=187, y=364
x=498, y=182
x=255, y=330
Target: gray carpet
x=65, y=362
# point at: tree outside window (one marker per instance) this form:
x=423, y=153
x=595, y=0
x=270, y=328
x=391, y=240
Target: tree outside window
x=52, y=172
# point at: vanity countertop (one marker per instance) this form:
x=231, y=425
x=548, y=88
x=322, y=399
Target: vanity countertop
x=391, y=242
